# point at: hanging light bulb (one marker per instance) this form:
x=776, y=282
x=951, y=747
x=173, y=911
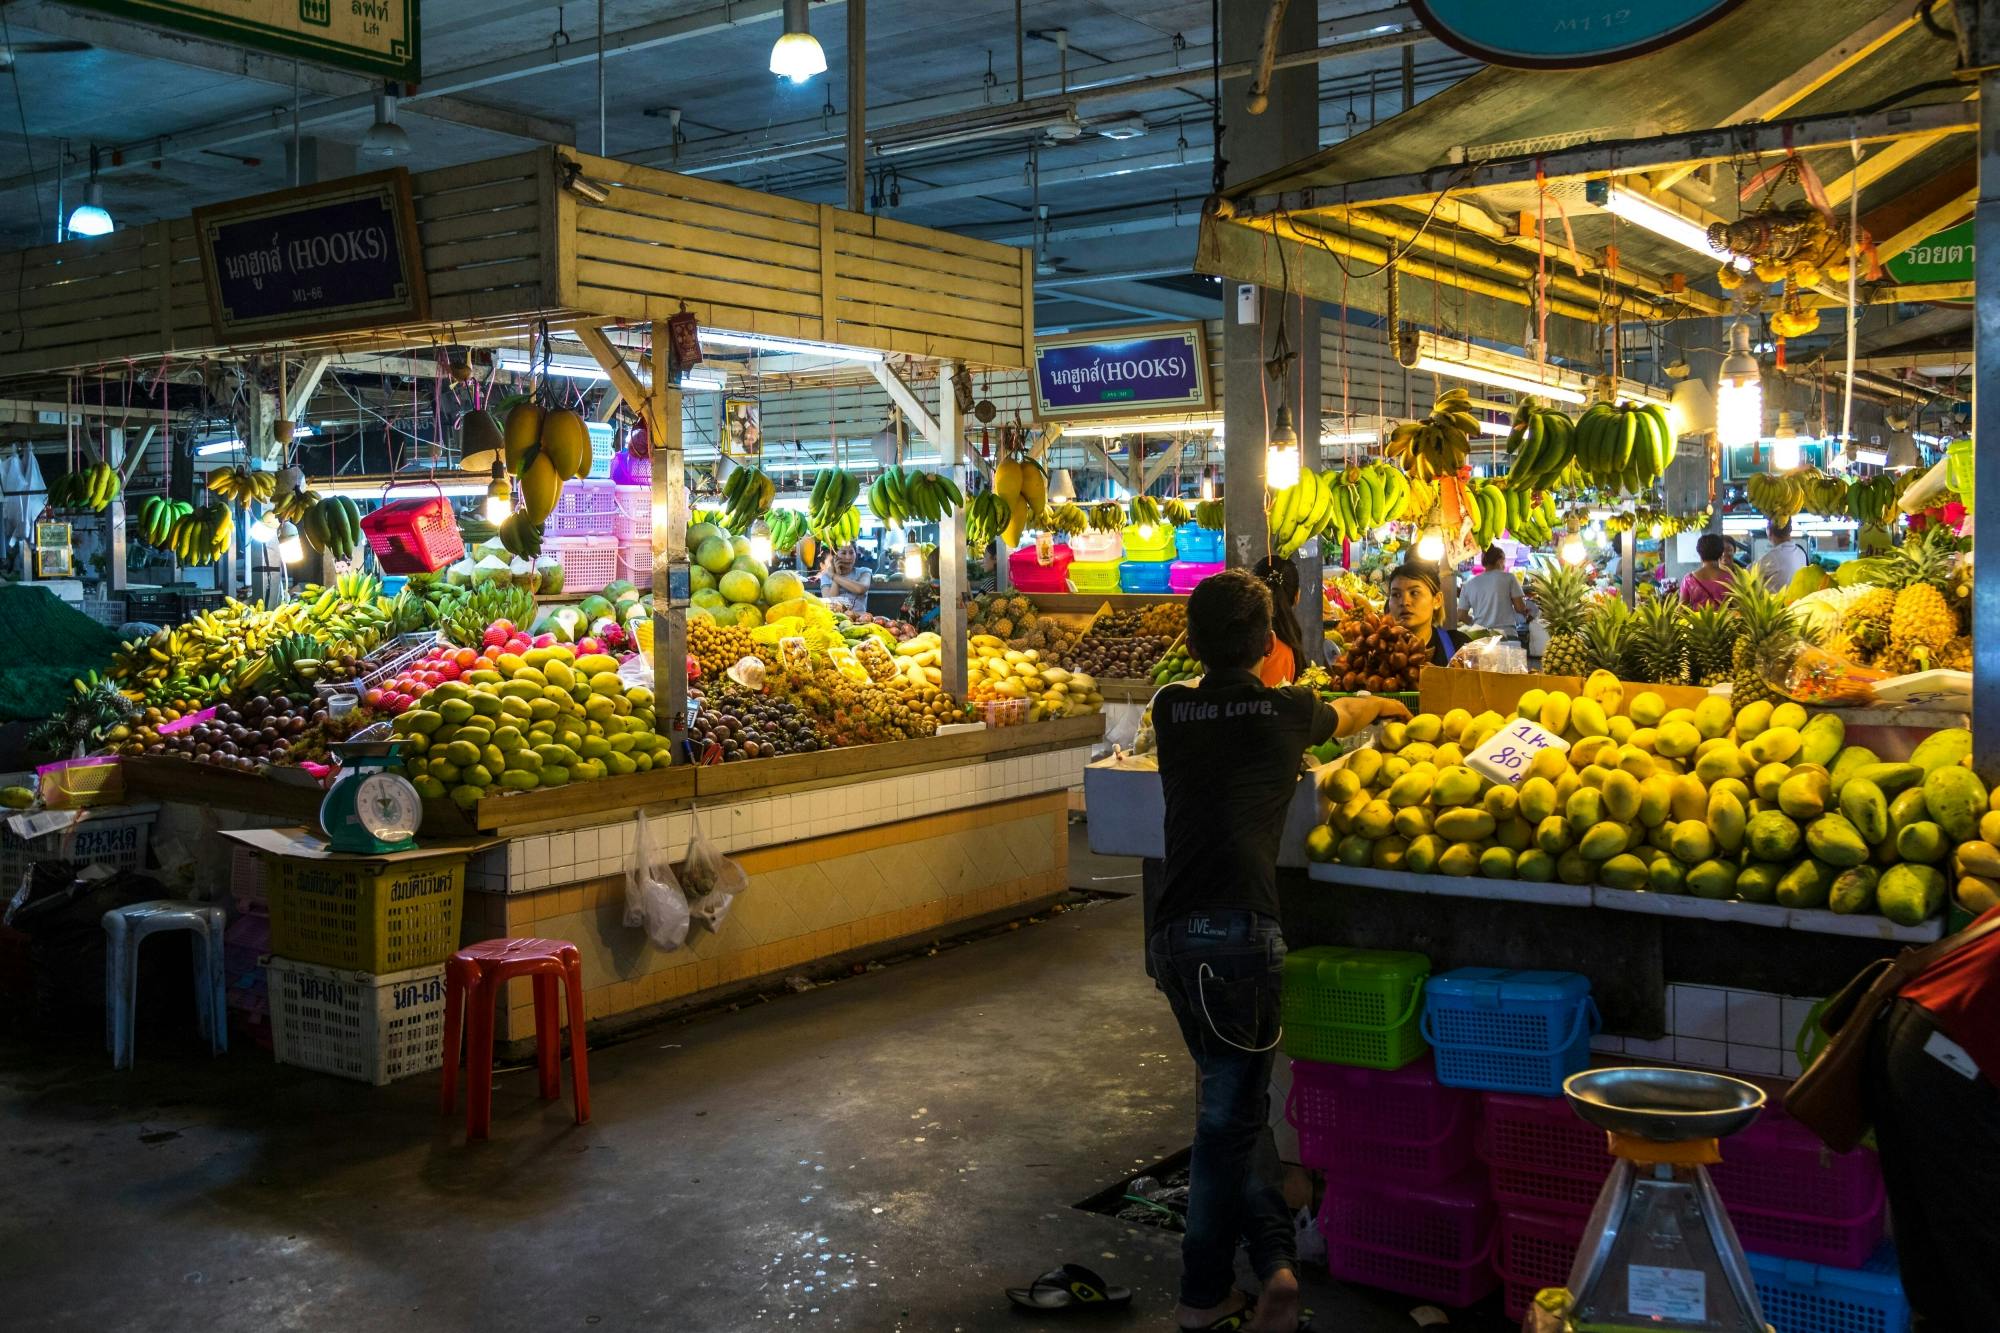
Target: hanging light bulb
x=385, y=138
x=1572, y=551
x=1281, y=454
x=90, y=218
x=1208, y=481
x=499, y=497
x=760, y=545
x=1430, y=546
x=290, y=549
x=1063, y=486
x=1659, y=531
x=913, y=562
x=264, y=530
x=1786, y=444
x=796, y=55
x=1739, y=392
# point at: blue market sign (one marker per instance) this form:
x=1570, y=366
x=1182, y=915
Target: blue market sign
x=1564, y=34
x=318, y=259
x=1159, y=370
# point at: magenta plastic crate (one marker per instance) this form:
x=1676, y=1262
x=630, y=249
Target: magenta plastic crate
x=1790, y=1197
x=1029, y=574
x=1396, y=1125
x=1535, y=1251
x=1186, y=573
x=1430, y=1242
x=1540, y=1155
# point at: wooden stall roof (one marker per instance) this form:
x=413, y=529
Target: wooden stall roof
x=506, y=246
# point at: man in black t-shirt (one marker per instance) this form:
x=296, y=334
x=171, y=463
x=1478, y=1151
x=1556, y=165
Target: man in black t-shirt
x=1229, y=750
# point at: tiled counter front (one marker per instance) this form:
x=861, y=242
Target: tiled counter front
x=832, y=870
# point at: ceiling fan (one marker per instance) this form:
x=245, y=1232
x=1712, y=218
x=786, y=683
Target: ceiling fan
x=8, y=52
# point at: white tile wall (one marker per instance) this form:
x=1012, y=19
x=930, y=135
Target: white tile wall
x=545, y=860
x=1743, y=1031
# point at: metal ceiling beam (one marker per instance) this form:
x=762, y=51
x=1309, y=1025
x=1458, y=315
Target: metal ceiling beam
x=1938, y=203
x=582, y=51
x=1147, y=312
x=109, y=34
x=900, y=394
x=1895, y=20
x=1114, y=79
x=1879, y=164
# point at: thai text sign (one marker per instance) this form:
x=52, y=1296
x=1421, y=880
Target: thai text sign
x=1564, y=34
x=1156, y=371
x=377, y=37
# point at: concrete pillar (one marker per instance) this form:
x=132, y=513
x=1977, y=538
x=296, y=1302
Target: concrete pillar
x=1287, y=130
x=1979, y=23
x=314, y=159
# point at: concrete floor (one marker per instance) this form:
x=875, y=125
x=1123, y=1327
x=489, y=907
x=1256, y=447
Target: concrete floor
x=885, y=1153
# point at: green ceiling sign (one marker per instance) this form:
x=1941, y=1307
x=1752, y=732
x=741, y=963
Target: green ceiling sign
x=1942, y=256
x=1564, y=34
x=375, y=37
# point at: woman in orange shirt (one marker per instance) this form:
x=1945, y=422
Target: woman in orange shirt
x=1288, y=651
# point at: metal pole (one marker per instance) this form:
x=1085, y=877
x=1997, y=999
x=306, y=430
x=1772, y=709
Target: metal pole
x=1628, y=564
x=1979, y=24
x=951, y=539
x=670, y=562
x=857, y=106
x=114, y=517
x=1409, y=77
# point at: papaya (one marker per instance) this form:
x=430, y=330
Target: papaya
x=1909, y=895
x=1853, y=890
x=1836, y=841
x=1863, y=804
x=1955, y=798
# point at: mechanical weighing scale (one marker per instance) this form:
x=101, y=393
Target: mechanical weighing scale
x=370, y=810
x=1659, y=1254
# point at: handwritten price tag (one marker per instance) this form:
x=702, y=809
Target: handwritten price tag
x=1506, y=754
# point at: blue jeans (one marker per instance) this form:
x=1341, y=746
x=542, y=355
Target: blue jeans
x=1223, y=974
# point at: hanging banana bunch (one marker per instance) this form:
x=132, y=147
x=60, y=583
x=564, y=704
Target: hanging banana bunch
x=1776, y=497
x=241, y=485
x=1208, y=515
x=521, y=535
x=786, y=526
x=1107, y=516
x=292, y=505
x=1145, y=512
x=902, y=494
x=747, y=495
x=156, y=520
x=1542, y=444
x=332, y=525
x=986, y=517
x=1624, y=446
x=833, y=519
x=1439, y=444
x=91, y=488
x=201, y=536
x=1069, y=519
x=1176, y=512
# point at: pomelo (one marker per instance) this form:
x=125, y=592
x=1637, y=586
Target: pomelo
x=782, y=586
x=750, y=565
x=740, y=586
x=699, y=579
x=715, y=555
x=698, y=533
x=708, y=599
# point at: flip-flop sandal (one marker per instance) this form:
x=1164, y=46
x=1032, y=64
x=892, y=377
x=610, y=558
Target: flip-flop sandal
x=1233, y=1322
x=1070, y=1287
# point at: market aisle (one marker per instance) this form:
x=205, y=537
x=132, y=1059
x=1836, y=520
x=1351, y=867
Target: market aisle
x=884, y=1153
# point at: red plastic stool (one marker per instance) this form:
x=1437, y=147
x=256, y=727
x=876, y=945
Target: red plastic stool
x=483, y=970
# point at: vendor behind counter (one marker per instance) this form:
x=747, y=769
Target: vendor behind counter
x=1416, y=602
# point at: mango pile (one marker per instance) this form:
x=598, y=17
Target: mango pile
x=518, y=722
x=1763, y=804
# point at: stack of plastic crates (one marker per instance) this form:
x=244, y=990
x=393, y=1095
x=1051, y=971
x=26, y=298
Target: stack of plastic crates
x=1799, y=1297
x=1545, y=1167
x=1791, y=1198
x=356, y=980
x=1430, y=1242
x=1505, y=1030
x=1354, y=1006
x=584, y=509
x=632, y=525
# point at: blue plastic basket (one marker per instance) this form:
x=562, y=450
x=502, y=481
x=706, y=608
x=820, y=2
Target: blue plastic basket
x=1144, y=575
x=1197, y=545
x=1800, y=1297
x=1509, y=1031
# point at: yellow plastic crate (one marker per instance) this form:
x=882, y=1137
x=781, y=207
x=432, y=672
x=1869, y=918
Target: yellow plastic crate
x=365, y=916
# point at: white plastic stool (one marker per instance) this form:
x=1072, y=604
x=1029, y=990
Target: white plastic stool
x=124, y=929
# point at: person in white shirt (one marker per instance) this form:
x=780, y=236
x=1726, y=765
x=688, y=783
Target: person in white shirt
x=844, y=581
x=1492, y=598
x=1785, y=558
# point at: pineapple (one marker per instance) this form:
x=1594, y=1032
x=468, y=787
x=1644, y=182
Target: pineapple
x=1765, y=628
x=1607, y=639
x=1711, y=632
x=1563, y=597
x=1659, y=650
x=1957, y=655
x=1867, y=620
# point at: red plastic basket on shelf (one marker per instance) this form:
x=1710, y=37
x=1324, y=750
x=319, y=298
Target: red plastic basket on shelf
x=1540, y=1155
x=414, y=536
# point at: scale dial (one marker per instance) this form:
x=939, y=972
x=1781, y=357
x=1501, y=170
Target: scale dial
x=388, y=807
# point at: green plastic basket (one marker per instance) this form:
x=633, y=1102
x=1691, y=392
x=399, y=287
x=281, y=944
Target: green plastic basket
x=1960, y=452
x=1354, y=1006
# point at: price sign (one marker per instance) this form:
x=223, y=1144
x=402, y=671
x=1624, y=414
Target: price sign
x=1506, y=755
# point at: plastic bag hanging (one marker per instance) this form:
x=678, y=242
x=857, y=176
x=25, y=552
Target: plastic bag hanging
x=710, y=879
x=653, y=897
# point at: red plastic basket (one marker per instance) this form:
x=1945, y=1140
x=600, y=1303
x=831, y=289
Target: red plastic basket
x=1431, y=1242
x=414, y=536
x=1395, y=1125
x=1540, y=1154
x=1535, y=1252
x=1790, y=1197
x=588, y=562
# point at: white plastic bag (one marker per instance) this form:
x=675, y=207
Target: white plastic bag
x=653, y=897
x=711, y=879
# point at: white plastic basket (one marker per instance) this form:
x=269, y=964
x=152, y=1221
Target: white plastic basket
x=114, y=834
x=374, y=1027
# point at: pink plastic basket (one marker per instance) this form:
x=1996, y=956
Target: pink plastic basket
x=1366, y=1124
x=1541, y=1156
x=584, y=509
x=1431, y=1242
x=1186, y=573
x=588, y=562
x=1535, y=1251
x=635, y=566
x=1029, y=574
x=1790, y=1197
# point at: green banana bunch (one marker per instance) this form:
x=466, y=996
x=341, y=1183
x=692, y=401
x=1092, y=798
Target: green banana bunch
x=156, y=520
x=1872, y=501
x=786, y=526
x=1297, y=513
x=747, y=495
x=986, y=517
x=1776, y=496
x=1624, y=447
x=1176, y=512
x=1655, y=523
x=332, y=525
x=1499, y=507
x=521, y=535
x=1208, y=514
x=1107, y=516
x=832, y=506
x=1438, y=445
x=902, y=494
x=1542, y=442
x=240, y=485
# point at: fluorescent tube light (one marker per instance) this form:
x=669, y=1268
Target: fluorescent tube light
x=565, y=369
x=704, y=380
x=215, y=447
x=1658, y=216
x=798, y=346
x=372, y=487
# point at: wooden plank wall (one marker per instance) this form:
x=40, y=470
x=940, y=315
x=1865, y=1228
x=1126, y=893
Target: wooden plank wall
x=138, y=294
x=760, y=263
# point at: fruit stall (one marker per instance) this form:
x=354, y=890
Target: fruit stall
x=705, y=697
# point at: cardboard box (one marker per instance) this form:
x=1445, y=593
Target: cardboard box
x=1128, y=812
x=1441, y=689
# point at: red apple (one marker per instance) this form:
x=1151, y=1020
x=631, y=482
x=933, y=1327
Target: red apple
x=544, y=640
